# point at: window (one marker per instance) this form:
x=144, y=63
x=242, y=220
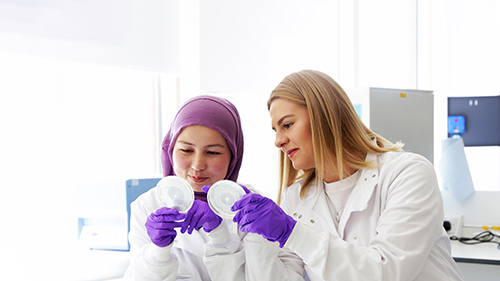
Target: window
x=65, y=125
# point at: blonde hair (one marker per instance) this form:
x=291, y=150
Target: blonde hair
x=337, y=131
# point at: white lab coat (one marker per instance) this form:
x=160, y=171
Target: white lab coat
x=391, y=227
x=225, y=253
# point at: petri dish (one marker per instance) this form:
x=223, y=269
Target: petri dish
x=222, y=195
x=176, y=193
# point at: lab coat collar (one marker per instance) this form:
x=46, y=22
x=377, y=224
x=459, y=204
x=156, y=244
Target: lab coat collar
x=361, y=194
x=308, y=209
x=358, y=201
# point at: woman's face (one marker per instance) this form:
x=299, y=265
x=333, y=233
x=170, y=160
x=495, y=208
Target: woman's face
x=291, y=123
x=201, y=156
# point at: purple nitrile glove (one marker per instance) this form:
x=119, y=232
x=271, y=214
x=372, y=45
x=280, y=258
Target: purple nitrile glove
x=161, y=225
x=245, y=189
x=205, y=188
x=259, y=214
x=200, y=215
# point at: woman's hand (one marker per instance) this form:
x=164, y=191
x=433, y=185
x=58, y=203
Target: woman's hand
x=259, y=214
x=200, y=215
x=161, y=224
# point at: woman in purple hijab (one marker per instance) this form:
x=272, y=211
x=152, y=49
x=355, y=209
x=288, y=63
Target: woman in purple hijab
x=211, y=112
x=204, y=145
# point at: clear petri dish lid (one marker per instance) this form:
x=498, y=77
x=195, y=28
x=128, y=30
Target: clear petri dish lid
x=222, y=195
x=175, y=192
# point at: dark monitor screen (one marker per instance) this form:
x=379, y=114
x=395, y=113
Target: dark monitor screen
x=475, y=119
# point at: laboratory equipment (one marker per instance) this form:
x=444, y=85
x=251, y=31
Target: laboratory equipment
x=456, y=126
x=103, y=211
x=398, y=115
x=222, y=196
x=481, y=119
x=176, y=193
x=133, y=189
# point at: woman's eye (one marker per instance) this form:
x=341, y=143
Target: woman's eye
x=287, y=125
x=186, y=150
x=213, y=152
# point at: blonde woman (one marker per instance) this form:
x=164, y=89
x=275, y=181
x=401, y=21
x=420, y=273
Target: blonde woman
x=353, y=205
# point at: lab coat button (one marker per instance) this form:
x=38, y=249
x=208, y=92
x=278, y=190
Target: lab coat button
x=373, y=175
x=355, y=237
x=312, y=221
x=294, y=214
x=300, y=216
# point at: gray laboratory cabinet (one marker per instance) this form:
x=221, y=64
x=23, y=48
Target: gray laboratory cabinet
x=398, y=115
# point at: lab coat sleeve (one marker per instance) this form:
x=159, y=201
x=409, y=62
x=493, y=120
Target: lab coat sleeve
x=409, y=224
x=148, y=261
x=153, y=263
x=267, y=261
x=224, y=255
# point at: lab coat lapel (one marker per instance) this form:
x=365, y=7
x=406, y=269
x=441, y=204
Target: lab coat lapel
x=361, y=194
x=321, y=207
x=313, y=211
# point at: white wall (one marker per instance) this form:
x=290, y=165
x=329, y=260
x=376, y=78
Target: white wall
x=126, y=33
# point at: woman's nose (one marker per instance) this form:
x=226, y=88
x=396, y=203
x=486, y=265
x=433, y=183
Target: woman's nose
x=198, y=163
x=280, y=140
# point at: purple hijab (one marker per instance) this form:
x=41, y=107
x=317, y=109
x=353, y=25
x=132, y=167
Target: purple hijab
x=212, y=112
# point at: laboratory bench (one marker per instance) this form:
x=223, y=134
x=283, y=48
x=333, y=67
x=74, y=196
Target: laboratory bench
x=484, y=253
x=477, y=261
